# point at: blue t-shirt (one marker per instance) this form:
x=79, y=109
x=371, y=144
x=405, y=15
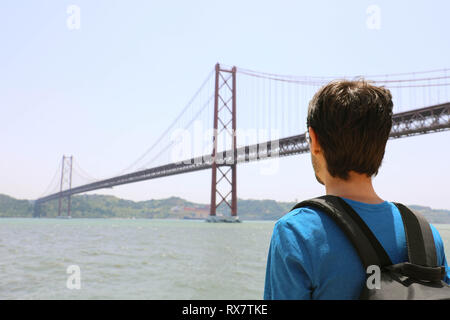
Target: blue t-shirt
x=310, y=257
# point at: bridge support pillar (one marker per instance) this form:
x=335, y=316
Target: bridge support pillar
x=224, y=138
x=36, y=209
x=66, y=182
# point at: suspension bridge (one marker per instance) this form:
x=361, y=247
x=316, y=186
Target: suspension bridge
x=213, y=133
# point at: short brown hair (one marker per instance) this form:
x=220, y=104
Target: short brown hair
x=352, y=121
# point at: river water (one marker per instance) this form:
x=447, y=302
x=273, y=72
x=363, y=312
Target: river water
x=135, y=259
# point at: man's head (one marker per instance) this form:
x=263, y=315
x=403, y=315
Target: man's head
x=349, y=123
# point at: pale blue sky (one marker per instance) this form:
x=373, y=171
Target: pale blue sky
x=105, y=92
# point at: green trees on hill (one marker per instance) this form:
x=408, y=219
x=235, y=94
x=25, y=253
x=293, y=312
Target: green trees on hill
x=102, y=206
x=10, y=207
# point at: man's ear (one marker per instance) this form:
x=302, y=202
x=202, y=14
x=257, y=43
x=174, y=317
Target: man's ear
x=314, y=145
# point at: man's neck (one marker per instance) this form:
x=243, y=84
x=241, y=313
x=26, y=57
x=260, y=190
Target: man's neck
x=358, y=187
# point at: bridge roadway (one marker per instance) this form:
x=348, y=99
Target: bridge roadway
x=414, y=122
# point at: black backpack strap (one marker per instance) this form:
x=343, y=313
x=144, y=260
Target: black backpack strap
x=369, y=249
x=419, y=238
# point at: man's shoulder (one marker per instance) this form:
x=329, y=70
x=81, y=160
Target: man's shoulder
x=314, y=222
x=307, y=220
x=309, y=233
x=308, y=213
x=299, y=214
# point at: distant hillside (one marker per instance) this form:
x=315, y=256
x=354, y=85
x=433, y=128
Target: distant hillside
x=433, y=215
x=102, y=206
x=10, y=207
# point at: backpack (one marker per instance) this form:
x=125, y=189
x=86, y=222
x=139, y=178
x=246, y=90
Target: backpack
x=420, y=278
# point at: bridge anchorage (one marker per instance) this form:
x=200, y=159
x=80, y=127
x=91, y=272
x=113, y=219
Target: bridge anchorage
x=275, y=95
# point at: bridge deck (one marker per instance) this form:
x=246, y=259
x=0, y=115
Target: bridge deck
x=419, y=121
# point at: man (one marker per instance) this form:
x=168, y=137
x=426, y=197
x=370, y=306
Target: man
x=310, y=257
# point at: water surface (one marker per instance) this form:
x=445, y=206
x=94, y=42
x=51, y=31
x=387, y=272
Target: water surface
x=136, y=259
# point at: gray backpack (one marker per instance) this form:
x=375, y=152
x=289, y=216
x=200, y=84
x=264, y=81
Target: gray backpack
x=420, y=278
